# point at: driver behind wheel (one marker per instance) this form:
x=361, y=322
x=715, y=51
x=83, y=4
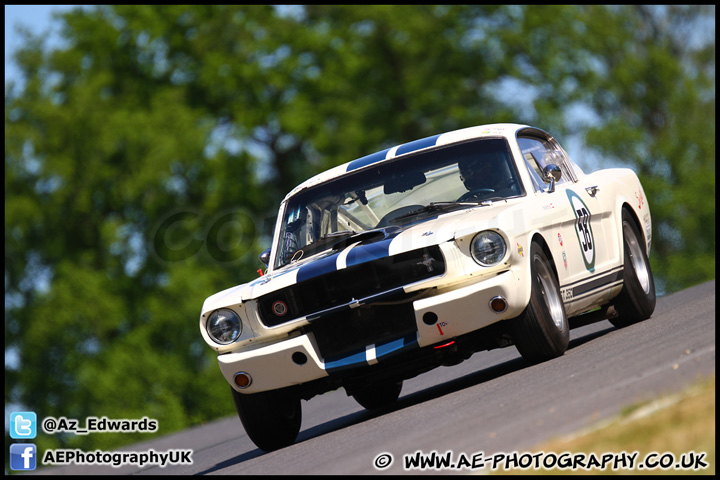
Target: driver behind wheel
x=485, y=171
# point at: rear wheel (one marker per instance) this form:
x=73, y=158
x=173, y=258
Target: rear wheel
x=636, y=301
x=542, y=331
x=271, y=419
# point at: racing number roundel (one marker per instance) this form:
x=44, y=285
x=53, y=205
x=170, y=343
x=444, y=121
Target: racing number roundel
x=583, y=229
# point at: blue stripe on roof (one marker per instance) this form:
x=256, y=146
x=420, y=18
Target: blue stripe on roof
x=367, y=160
x=417, y=145
x=405, y=148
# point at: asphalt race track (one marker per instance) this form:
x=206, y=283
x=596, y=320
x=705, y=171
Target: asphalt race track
x=493, y=402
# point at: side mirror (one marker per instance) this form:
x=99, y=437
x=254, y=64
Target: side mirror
x=551, y=174
x=265, y=257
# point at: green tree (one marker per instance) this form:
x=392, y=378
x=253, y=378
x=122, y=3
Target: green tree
x=656, y=105
x=104, y=148
x=144, y=161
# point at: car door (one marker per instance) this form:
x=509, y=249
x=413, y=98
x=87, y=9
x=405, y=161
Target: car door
x=577, y=236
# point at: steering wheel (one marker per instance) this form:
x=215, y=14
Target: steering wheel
x=398, y=212
x=474, y=193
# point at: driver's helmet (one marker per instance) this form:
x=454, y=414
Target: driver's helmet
x=482, y=170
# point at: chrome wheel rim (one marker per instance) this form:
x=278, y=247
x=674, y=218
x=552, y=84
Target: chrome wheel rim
x=550, y=294
x=637, y=259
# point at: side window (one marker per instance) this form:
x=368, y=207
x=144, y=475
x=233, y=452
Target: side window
x=532, y=150
x=537, y=154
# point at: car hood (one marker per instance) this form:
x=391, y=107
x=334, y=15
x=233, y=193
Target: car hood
x=434, y=229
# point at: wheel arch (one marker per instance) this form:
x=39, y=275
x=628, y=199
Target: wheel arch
x=638, y=225
x=541, y=332
x=540, y=240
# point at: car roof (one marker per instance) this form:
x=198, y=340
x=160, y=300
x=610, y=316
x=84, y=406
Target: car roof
x=497, y=129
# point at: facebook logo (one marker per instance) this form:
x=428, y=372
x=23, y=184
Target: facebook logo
x=23, y=425
x=23, y=456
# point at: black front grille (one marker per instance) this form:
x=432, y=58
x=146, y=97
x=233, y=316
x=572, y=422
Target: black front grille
x=354, y=329
x=356, y=282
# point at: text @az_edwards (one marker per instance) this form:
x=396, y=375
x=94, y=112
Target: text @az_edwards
x=51, y=425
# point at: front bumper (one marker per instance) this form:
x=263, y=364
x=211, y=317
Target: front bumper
x=438, y=318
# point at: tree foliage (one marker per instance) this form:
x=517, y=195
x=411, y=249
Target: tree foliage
x=656, y=107
x=145, y=157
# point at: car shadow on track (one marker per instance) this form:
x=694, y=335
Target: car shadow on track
x=446, y=388
x=232, y=461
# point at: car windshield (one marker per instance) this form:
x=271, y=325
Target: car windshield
x=396, y=192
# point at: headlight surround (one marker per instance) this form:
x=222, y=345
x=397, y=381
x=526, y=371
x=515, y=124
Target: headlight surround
x=224, y=326
x=488, y=248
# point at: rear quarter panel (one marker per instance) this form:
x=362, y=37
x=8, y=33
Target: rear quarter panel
x=620, y=187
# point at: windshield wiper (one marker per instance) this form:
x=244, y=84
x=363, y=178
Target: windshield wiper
x=436, y=206
x=489, y=201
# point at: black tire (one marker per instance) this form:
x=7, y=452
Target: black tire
x=378, y=396
x=636, y=301
x=271, y=419
x=542, y=331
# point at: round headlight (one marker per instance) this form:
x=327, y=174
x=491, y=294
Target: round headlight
x=488, y=248
x=224, y=326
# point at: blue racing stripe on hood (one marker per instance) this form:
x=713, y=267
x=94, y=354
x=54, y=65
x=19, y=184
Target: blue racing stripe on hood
x=358, y=254
x=365, y=253
x=318, y=267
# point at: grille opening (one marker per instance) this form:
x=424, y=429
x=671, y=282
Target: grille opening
x=356, y=282
x=354, y=329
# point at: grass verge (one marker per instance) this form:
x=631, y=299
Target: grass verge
x=674, y=430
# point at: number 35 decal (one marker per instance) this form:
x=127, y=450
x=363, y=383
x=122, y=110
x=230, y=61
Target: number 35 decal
x=583, y=229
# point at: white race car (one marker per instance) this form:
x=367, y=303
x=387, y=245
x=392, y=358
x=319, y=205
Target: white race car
x=421, y=255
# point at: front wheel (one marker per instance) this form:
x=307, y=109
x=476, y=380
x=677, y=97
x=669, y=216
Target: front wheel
x=542, y=331
x=636, y=300
x=271, y=419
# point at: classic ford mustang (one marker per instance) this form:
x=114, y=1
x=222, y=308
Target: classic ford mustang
x=420, y=255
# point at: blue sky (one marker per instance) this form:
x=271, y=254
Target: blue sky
x=35, y=17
